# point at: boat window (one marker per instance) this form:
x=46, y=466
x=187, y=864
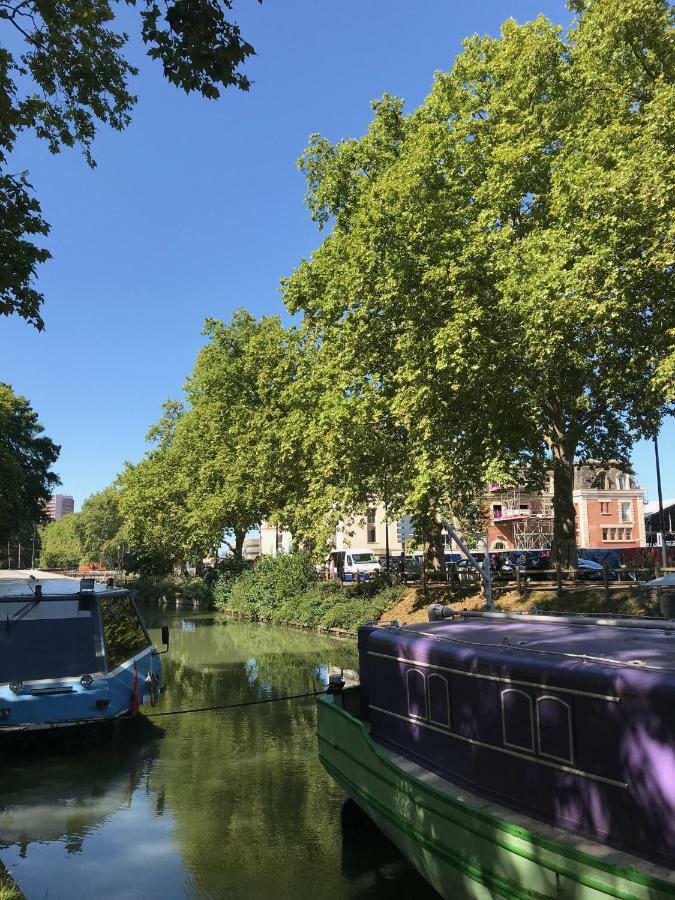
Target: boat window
x=439, y=700
x=417, y=696
x=554, y=725
x=39, y=647
x=517, y=723
x=122, y=630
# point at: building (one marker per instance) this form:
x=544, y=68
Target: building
x=608, y=503
x=59, y=505
x=653, y=523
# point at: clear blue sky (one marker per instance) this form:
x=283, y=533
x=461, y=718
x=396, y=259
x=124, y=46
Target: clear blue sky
x=198, y=209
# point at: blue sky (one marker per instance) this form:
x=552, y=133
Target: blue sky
x=197, y=209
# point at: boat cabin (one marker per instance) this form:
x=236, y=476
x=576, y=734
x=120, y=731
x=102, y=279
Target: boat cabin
x=571, y=723
x=71, y=651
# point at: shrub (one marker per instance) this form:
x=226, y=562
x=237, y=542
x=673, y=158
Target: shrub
x=268, y=585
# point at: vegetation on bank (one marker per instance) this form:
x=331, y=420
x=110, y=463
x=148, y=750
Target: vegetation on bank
x=8, y=887
x=284, y=590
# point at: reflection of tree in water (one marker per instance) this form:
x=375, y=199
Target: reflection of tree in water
x=69, y=789
x=256, y=815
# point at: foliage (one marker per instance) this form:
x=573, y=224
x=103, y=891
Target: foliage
x=153, y=590
x=8, y=887
x=100, y=528
x=61, y=546
x=221, y=463
x=269, y=583
x=497, y=285
x=284, y=590
x=26, y=458
x=68, y=74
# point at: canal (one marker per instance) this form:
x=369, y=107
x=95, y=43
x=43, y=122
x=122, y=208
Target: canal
x=227, y=804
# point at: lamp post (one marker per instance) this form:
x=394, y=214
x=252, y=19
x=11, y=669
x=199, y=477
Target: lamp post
x=662, y=523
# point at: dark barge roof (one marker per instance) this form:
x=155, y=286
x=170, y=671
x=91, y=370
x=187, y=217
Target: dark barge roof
x=553, y=642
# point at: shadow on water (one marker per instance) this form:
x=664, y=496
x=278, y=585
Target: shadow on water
x=231, y=803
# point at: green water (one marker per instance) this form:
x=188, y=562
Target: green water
x=216, y=804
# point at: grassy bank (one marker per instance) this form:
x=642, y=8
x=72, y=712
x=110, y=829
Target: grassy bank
x=8, y=887
x=632, y=602
x=284, y=590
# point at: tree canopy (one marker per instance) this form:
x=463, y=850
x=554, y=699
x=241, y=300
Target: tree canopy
x=26, y=459
x=65, y=73
x=498, y=277
x=219, y=463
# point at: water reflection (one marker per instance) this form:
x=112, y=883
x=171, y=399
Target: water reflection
x=217, y=804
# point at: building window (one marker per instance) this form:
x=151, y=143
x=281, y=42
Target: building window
x=619, y=534
x=524, y=508
x=622, y=482
x=626, y=511
x=372, y=531
x=417, y=695
x=629, y=534
x=554, y=728
x=497, y=510
x=605, y=534
x=517, y=725
x=499, y=545
x=604, y=507
x=439, y=700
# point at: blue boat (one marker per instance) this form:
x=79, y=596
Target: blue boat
x=73, y=652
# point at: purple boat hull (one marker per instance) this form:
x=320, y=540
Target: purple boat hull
x=573, y=724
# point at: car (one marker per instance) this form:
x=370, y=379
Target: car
x=527, y=562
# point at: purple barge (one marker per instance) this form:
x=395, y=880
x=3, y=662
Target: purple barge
x=562, y=730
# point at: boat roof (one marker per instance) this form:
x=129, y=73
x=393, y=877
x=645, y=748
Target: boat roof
x=22, y=583
x=610, y=643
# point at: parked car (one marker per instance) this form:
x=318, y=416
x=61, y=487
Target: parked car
x=529, y=562
x=410, y=572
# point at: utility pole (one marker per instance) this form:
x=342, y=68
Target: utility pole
x=662, y=521
x=386, y=525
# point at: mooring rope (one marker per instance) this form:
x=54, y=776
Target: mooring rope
x=197, y=709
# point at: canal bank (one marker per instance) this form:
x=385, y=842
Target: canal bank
x=8, y=887
x=215, y=804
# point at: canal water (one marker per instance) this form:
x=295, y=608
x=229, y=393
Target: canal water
x=226, y=804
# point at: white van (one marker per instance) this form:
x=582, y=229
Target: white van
x=348, y=564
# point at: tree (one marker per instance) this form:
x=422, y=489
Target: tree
x=60, y=544
x=100, y=530
x=26, y=459
x=500, y=265
x=68, y=75
x=221, y=463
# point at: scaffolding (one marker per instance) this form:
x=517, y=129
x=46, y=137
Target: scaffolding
x=530, y=517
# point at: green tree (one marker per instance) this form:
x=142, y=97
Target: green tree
x=500, y=265
x=67, y=74
x=26, y=459
x=99, y=527
x=221, y=462
x=60, y=544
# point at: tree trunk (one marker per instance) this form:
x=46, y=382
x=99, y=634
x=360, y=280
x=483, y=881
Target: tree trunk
x=239, y=537
x=433, y=561
x=564, y=544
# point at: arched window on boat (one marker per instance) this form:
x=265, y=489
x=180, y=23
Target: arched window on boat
x=517, y=724
x=554, y=727
x=439, y=700
x=417, y=694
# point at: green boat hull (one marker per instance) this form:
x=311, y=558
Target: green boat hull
x=455, y=840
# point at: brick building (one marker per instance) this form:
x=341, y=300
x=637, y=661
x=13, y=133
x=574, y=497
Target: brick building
x=609, y=508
